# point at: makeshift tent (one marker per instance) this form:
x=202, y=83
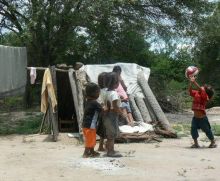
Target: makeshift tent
x=69, y=90
x=13, y=63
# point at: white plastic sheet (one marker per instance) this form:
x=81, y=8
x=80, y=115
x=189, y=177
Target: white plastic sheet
x=129, y=74
x=141, y=128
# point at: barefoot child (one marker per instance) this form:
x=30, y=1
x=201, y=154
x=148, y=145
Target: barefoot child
x=91, y=113
x=110, y=118
x=102, y=101
x=200, y=120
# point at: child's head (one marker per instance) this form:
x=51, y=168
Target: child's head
x=209, y=90
x=112, y=80
x=102, y=80
x=92, y=90
x=117, y=69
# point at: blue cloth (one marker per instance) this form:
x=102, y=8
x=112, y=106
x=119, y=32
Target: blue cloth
x=126, y=105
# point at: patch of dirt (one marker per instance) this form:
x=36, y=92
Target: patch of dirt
x=35, y=157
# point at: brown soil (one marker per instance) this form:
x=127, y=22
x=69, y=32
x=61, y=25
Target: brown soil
x=35, y=157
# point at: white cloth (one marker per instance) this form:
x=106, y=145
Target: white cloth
x=112, y=96
x=33, y=75
x=141, y=128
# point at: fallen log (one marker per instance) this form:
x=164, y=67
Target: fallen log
x=165, y=133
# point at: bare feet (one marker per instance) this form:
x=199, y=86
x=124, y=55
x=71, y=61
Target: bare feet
x=90, y=153
x=195, y=146
x=101, y=149
x=131, y=124
x=114, y=154
x=86, y=155
x=213, y=145
x=94, y=154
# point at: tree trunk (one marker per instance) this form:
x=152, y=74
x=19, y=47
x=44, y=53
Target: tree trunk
x=135, y=110
x=151, y=112
x=143, y=109
x=153, y=102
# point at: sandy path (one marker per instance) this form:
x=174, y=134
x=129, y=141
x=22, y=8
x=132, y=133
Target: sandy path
x=33, y=157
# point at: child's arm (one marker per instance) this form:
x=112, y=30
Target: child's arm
x=193, y=80
x=191, y=91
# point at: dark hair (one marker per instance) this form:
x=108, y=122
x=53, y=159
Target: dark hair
x=92, y=90
x=102, y=80
x=117, y=69
x=209, y=90
x=112, y=79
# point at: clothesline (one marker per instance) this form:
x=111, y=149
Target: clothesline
x=43, y=68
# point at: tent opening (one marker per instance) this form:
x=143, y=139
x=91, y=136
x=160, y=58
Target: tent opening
x=67, y=119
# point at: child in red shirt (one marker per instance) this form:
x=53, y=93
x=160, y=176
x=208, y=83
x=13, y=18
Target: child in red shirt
x=200, y=120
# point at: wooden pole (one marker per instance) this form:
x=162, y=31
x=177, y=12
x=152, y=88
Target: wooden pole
x=43, y=120
x=44, y=68
x=74, y=89
x=54, y=115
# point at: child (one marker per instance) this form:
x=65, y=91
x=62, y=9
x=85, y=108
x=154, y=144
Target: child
x=200, y=120
x=110, y=118
x=121, y=90
x=102, y=101
x=91, y=112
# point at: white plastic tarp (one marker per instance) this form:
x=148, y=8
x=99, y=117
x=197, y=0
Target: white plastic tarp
x=13, y=63
x=141, y=128
x=129, y=74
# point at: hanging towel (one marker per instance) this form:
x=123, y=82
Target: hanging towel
x=47, y=92
x=33, y=75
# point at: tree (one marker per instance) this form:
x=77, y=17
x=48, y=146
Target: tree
x=207, y=52
x=52, y=29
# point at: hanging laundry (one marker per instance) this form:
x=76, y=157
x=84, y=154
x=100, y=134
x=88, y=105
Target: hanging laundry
x=47, y=92
x=33, y=75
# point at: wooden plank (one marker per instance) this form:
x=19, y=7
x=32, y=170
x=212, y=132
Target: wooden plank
x=81, y=81
x=54, y=115
x=74, y=89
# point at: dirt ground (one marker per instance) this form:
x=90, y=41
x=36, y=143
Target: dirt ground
x=35, y=157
